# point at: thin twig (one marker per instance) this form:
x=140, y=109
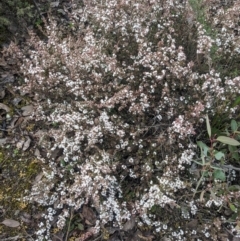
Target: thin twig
x=229, y=167
x=12, y=238
x=97, y=238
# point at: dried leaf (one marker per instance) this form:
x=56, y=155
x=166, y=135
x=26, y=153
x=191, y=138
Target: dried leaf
x=89, y=215
x=172, y=205
x=27, y=110
x=27, y=215
x=4, y=107
x=129, y=224
x=20, y=144
x=3, y=63
x=3, y=141
x=13, y=123
x=166, y=239
x=16, y=101
x=193, y=224
x=26, y=144
x=148, y=238
x=25, y=219
x=7, y=78
x=217, y=222
x=111, y=230
x=37, y=153
x=54, y=4
x=11, y=223
x=38, y=178
x=2, y=93
x=202, y=196
x=56, y=153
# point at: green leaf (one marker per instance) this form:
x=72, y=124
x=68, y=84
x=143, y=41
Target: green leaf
x=234, y=152
x=236, y=102
x=208, y=126
x=228, y=140
x=219, y=174
x=206, y=174
x=234, y=188
x=219, y=155
x=204, y=148
x=233, y=218
x=235, y=156
x=232, y=149
x=63, y=163
x=69, y=167
x=232, y=207
x=80, y=227
x=234, y=125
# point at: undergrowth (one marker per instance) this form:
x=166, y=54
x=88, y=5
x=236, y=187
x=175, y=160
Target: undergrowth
x=125, y=100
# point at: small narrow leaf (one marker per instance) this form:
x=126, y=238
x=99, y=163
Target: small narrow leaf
x=236, y=102
x=202, y=196
x=234, y=125
x=208, y=126
x=11, y=223
x=204, y=148
x=228, y=140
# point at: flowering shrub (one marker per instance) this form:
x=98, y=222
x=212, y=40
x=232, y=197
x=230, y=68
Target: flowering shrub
x=129, y=93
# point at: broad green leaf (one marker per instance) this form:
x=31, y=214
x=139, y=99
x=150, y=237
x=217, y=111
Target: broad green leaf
x=234, y=125
x=234, y=152
x=208, y=126
x=219, y=174
x=232, y=149
x=235, y=156
x=228, y=140
x=219, y=155
x=232, y=207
